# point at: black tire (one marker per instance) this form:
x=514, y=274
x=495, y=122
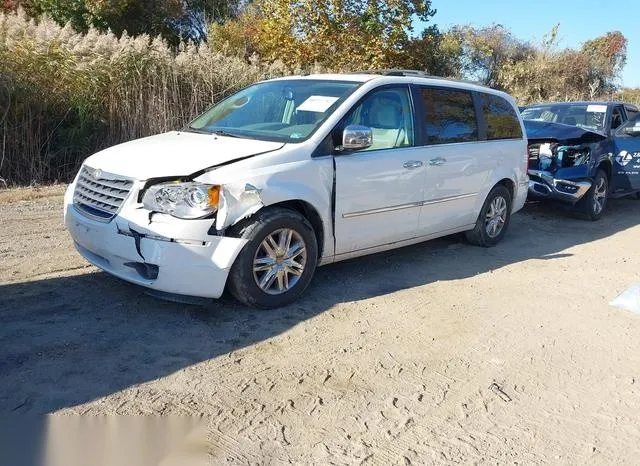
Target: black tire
x=243, y=281
x=480, y=235
x=588, y=205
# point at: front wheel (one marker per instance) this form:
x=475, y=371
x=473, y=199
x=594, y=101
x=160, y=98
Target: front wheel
x=493, y=220
x=278, y=261
x=594, y=202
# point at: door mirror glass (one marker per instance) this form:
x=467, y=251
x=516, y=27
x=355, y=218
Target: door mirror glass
x=355, y=137
x=632, y=129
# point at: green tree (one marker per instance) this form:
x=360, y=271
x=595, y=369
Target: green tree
x=174, y=20
x=197, y=15
x=439, y=54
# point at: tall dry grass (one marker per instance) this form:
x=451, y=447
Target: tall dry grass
x=65, y=95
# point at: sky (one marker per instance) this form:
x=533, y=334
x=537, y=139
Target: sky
x=530, y=20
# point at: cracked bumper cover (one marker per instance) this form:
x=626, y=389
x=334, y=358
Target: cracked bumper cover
x=167, y=254
x=543, y=185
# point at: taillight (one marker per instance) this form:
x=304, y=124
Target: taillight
x=526, y=161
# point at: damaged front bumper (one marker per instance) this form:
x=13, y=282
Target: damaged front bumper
x=544, y=185
x=158, y=252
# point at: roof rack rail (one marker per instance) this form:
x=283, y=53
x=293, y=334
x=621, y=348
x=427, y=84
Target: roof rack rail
x=418, y=74
x=396, y=72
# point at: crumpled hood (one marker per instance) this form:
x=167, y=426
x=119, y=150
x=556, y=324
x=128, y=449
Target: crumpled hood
x=175, y=154
x=568, y=134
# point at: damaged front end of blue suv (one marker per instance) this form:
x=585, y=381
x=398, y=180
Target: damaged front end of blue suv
x=582, y=153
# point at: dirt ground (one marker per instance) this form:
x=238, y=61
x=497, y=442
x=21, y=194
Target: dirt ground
x=440, y=352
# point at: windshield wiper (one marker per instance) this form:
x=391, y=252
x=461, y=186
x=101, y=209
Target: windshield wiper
x=222, y=132
x=217, y=132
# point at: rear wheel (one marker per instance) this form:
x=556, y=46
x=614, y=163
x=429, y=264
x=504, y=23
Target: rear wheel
x=594, y=202
x=493, y=220
x=278, y=261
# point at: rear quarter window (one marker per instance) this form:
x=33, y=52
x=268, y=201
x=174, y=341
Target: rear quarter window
x=500, y=117
x=449, y=116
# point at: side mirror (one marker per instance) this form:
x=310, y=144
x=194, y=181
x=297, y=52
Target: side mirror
x=356, y=137
x=633, y=130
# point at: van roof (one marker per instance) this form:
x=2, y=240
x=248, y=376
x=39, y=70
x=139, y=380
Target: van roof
x=397, y=76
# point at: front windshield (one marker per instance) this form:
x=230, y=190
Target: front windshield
x=587, y=116
x=282, y=111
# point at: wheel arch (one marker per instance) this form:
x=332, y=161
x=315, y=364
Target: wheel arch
x=309, y=212
x=509, y=184
x=607, y=167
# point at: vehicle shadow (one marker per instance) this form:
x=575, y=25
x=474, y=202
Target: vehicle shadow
x=66, y=341
x=541, y=231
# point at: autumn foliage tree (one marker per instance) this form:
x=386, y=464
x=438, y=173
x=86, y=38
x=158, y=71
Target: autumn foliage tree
x=549, y=73
x=485, y=51
x=606, y=57
x=338, y=34
x=10, y=5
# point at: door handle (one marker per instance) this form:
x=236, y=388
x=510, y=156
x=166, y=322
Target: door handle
x=437, y=161
x=412, y=164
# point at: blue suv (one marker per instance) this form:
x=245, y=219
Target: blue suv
x=581, y=153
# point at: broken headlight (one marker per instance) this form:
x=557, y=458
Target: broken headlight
x=189, y=200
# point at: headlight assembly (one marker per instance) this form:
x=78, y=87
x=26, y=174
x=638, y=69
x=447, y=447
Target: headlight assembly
x=189, y=200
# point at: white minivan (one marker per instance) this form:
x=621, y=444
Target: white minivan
x=292, y=173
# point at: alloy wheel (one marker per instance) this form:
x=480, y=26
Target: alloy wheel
x=280, y=261
x=599, y=195
x=496, y=216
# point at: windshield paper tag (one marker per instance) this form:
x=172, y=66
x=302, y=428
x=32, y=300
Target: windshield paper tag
x=317, y=103
x=597, y=109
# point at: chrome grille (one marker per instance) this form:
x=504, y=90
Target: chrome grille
x=100, y=197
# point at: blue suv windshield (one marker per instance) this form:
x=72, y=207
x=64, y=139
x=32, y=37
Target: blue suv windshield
x=282, y=111
x=587, y=116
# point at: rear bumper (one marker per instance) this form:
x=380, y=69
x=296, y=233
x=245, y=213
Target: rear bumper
x=165, y=254
x=543, y=185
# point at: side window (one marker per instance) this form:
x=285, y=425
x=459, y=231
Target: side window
x=388, y=113
x=450, y=116
x=502, y=121
x=616, y=118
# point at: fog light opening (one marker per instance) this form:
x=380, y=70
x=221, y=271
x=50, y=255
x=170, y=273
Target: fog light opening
x=146, y=271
